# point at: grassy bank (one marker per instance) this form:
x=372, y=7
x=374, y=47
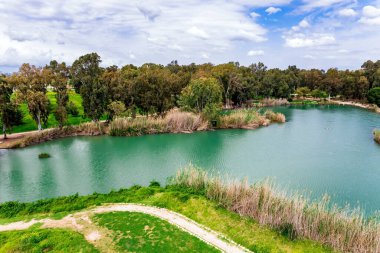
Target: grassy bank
x=342, y=229
x=44, y=240
x=376, y=135
x=243, y=230
x=138, y=232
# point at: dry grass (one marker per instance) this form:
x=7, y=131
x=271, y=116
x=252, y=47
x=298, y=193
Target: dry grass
x=376, y=135
x=341, y=228
x=85, y=129
x=175, y=121
x=274, y=102
x=275, y=117
x=250, y=119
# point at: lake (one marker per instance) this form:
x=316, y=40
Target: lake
x=321, y=149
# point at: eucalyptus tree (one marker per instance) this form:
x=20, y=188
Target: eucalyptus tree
x=86, y=73
x=59, y=74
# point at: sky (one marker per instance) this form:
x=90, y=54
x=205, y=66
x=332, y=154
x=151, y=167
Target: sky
x=309, y=34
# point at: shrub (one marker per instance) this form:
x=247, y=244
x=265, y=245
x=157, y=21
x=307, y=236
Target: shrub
x=211, y=113
x=374, y=96
x=44, y=155
x=247, y=119
x=376, y=135
x=72, y=109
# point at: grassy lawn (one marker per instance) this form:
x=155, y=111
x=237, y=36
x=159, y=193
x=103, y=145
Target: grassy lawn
x=30, y=125
x=138, y=232
x=44, y=240
x=244, y=231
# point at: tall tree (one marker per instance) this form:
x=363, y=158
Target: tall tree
x=58, y=74
x=5, y=104
x=229, y=78
x=86, y=73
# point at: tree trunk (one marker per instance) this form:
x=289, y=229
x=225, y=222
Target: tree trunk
x=4, y=131
x=39, y=121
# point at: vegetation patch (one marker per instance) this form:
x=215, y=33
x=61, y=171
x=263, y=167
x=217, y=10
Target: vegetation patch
x=184, y=200
x=44, y=155
x=296, y=217
x=44, y=240
x=138, y=232
x=376, y=135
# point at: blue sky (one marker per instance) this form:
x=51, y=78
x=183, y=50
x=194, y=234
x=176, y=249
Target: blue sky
x=306, y=33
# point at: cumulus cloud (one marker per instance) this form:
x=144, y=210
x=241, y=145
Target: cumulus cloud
x=371, y=15
x=155, y=30
x=272, y=10
x=314, y=40
x=255, y=53
x=347, y=12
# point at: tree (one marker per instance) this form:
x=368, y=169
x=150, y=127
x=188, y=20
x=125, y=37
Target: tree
x=86, y=74
x=58, y=74
x=116, y=109
x=6, y=105
x=374, y=96
x=31, y=83
x=38, y=106
x=229, y=78
x=201, y=93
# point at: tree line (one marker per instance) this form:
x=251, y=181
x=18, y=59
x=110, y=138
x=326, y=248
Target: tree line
x=155, y=89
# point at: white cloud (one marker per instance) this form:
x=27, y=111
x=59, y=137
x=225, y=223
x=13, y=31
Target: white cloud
x=314, y=40
x=272, y=10
x=312, y=4
x=155, y=30
x=309, y=56
x=347, y=12
x=198, y=32
x=371, y=15
x=254, y=15
x=255, y=53
x=371, y=11
x=301, y=25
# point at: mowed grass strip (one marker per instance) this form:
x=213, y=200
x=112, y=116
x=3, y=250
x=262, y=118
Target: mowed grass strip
x=44, y=240
x=138, y=232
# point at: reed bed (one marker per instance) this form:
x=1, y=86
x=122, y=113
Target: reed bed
x=175, y=121
x=243, y=119
x=274, y=102
x=275, y=117
x=376, y=135
x=343, y=229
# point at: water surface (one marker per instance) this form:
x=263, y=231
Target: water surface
x=321, y=149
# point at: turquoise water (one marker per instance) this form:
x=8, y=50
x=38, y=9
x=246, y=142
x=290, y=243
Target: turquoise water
x=321, y=149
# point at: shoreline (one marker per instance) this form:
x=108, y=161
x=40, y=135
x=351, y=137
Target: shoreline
x=126, y=127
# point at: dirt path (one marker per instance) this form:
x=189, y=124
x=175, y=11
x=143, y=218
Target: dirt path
x=357, y=104
x=81, y=222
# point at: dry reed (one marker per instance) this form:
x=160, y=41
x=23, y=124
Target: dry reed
x=340, y=228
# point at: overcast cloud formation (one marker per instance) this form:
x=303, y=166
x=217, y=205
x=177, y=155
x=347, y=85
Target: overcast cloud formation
x=306, y=33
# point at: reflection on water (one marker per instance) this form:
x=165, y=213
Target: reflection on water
x=320, y=149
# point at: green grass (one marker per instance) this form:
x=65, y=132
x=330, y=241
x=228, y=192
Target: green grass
x=29, y=124
x=44, y=240
x=138, y=232
x=244, y=231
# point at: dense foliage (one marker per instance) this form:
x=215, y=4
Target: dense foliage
x=155, y=89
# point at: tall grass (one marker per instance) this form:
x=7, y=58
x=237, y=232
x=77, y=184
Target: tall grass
x=250, y=119
x=341, y=228
x=376, y=135
x=175, y=121
x=274, y=102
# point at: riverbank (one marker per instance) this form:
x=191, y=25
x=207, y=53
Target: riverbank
x=195, y=206
x=343, y=229
x=370, y=107
x=174, y=121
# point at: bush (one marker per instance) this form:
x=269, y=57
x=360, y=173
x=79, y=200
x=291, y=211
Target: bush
x=376, y=135
x=374, y=96
x=44, y=155
x=319, y=94
x=72, y=109
x=212, y=114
